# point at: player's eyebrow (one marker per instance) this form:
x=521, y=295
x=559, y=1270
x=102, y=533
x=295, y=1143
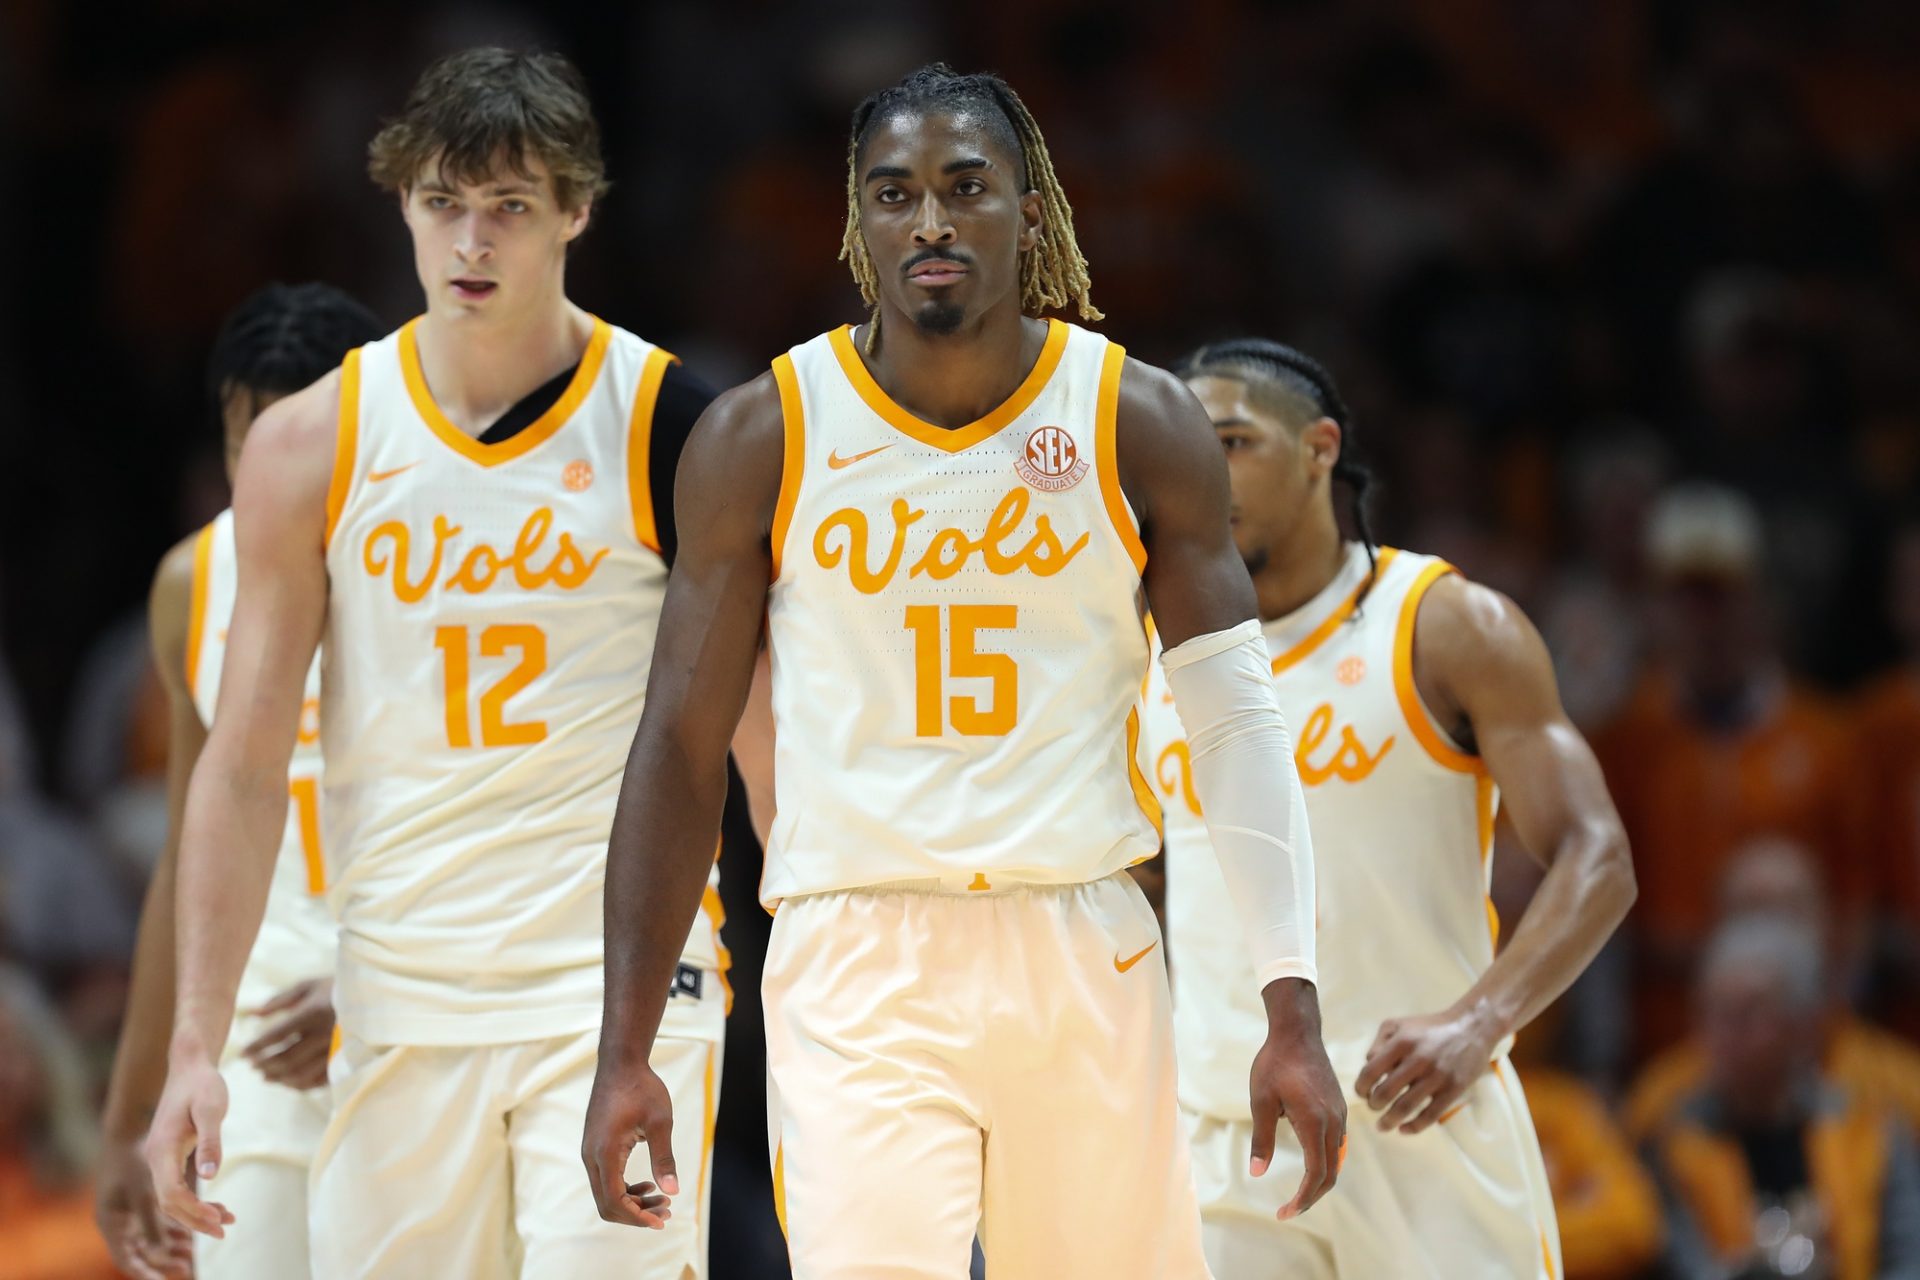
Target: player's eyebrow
x=888, y=171
x=1232, y=422
x=970, y=162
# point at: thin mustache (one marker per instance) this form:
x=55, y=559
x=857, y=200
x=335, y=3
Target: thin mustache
x=935, y=255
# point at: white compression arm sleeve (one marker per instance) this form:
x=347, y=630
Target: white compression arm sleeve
x=1249, y=792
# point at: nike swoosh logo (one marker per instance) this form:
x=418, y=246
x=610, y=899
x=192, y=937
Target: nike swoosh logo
x=835, y=461
x=375, y=477
x=1121, y=966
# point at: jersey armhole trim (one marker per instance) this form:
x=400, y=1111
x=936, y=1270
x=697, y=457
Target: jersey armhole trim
x=197, y=607
x=1106, y=420
x=640, y=448
x=793, y=459
x=346, y=442
x=1429, y=734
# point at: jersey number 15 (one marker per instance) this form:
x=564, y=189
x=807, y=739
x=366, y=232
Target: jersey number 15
x=963, y=662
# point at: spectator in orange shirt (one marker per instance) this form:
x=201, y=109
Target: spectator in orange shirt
x=1774, y=878
x=1719, y=746
x=1609, y=1211
x=46, y=1140
x=1888, y=757
x=1770, y=1167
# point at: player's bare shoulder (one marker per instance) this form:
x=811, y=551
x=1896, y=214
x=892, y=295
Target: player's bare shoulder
x=1470, y=639
x=730, y=472
x=286, y=466
x=1164, y=441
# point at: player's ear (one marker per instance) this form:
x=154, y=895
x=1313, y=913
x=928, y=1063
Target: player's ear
x=1320, y=446
x=577, y=220
x=1032, y=221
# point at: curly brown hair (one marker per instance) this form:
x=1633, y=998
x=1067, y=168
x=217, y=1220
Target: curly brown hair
x=474, y=110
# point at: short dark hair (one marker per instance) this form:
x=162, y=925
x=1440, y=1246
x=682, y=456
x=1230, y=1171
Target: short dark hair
x=471, y=110
x=285, y=337
x=1305, y=390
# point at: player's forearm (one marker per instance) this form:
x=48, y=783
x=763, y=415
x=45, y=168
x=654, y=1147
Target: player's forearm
x=140, y=1064
x=232, y=831
x=658, y=859
x=1249, y=790
x=1588, y=888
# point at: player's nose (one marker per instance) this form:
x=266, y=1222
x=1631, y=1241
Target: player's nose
x=932, y=226
x=471, y=241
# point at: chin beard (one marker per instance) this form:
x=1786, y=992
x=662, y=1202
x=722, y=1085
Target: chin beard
x=939, y=318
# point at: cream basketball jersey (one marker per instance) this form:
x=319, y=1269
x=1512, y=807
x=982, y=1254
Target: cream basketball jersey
x=489, y=634
x=1402, y=826
x=956, y=632
x=296, y=938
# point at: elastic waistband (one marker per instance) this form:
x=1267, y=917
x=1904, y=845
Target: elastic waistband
x=973, y=884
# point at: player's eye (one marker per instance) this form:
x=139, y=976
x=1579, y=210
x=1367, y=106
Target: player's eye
x=515, y=206
x=1233, y=444
x=970, y=187
x=439, y=202
x=890, y=195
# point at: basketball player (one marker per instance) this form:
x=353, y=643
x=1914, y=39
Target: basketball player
x=463, y=517
x=1419, y=700
x=947, y=515
x=276, y=342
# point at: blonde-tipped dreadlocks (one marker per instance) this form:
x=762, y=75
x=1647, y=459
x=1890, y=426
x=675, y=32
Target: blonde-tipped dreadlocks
x=1054, y=272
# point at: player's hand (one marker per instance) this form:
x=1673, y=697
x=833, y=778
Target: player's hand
x=293, y=1049
x=1419, y=1068
x=187, y=1127
x=143, y=1243
x=1292, y=1078
x=628, y=1108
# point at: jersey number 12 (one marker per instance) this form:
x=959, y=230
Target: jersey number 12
x=456, y=645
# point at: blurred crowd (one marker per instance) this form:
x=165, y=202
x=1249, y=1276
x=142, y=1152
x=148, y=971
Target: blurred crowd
x=1625, y=297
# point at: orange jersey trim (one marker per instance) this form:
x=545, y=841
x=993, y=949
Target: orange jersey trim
x=640, y=448
x=522, y=442
x=346, y=442
x=197, y=607
x=793, y=417
x=780, y=1190
x=707, y=1118
x=1142, y=791
x=1106, y=418
x=1325, y=630
x=949, y=441
x=1415, y=712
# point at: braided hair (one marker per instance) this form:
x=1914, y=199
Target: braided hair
x=1054, y=272
x=285, y=337
x=1308, y=392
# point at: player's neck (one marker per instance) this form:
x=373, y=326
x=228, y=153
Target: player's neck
x=953, y=379
x=479, y=367
x=1283, y=584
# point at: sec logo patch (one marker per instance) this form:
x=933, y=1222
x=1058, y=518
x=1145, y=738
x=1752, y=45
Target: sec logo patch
x=1050, y=461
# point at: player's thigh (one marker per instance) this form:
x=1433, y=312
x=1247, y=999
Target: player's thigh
x=1084, y=1112
x=1239, y=1224
x=1474, y=1188
x=560, y=1230
x=1455, y=1200
x=411, y=1178
x=272, y=1133
x=874, y=1115
x=268, y=1200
